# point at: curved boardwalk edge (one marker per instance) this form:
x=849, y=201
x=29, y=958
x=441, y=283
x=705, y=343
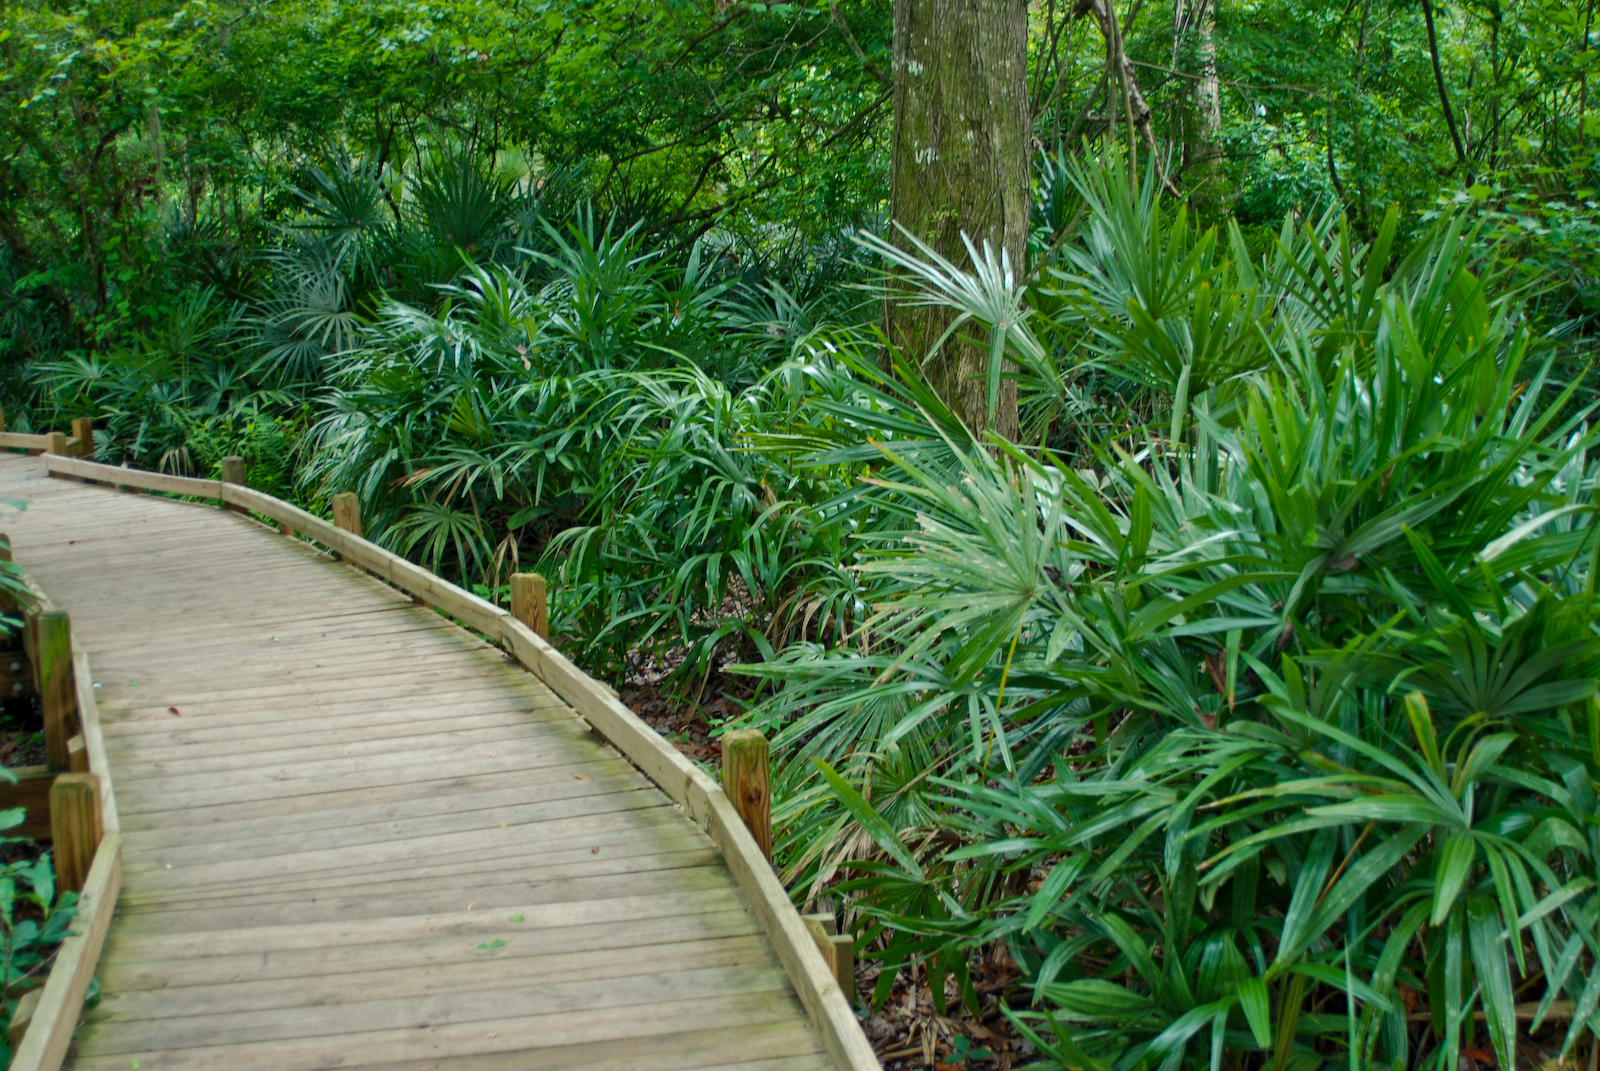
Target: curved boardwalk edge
x=45, y=1045
x=701, y=798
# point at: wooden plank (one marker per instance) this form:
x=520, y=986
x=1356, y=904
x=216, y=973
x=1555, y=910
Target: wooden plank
x=831, y=1011
x=570, y=1002
x=346, y=512
x=94, y=738
x=466, y=796
x=52, y=631
x=32, y=793
x=550, y=920
x=491, y=1033
x=57, y=1016
x=149, y=481
x=16, y=440
x=312, y=793
x=747, y=779
x=469, y=1004
x=660, y=761
x=463, y=969
x=519, y=835
x=634, y=826
x=485, y=882
x=510, y=740
x=399, y=719
x=475, y=612
x=530, y=602
x=76, y=827
x=219, y=985
x=775, y=1046
x=619, y=876
x=818, y=990
x=398, y=731
x=82, y=440
x=352, y=770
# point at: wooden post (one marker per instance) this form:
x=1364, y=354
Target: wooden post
x=529, y=602
x=838, y=949
x=5, y=548
x=83, y=431
x=56, y=443
x=53, y=643
x=747, y=779
x=347, y=512
x=233, y=472
x=78, y=754
x=76, y=826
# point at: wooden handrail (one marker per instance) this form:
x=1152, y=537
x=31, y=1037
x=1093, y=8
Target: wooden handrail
x=829, y=1008
x=37, y=444
x=55, y=1019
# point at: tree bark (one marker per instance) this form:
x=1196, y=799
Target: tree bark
x=960, y=166
x=1196, y=19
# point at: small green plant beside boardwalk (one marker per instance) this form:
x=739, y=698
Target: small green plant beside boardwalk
x=38, y=897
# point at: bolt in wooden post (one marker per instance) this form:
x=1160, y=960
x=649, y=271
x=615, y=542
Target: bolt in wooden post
x=53, y=642
x=530, y=602
x=747, y=779
x=75, y=827
x=347, y=512
x=83, y=431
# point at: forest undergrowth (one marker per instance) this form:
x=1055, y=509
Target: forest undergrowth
x=1243, y=712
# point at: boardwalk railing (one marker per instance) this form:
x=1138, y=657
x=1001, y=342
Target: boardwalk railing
x=79, y=444
x=701, y=798
x=87, y=839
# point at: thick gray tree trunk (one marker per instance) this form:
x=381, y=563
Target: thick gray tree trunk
x=960, y=165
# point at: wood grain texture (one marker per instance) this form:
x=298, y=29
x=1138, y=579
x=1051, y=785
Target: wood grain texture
x=56, y=1017
x=356, y=835
x=76, y=827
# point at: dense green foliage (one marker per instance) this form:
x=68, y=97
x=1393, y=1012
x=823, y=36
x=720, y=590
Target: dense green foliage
x=1295, y=693
x=1249, y=700
x=35, y=918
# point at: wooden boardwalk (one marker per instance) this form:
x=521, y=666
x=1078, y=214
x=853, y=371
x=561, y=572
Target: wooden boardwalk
x=356, y=835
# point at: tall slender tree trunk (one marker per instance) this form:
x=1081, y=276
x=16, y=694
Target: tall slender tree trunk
x=960, y=166
x=1444, y=95
x=1197, y=19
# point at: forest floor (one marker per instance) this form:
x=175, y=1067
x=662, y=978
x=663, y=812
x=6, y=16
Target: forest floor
x=21, y=733
x=906, y=1031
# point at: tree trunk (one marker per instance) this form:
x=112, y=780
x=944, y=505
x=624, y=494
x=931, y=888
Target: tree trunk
x=1444, y=96
x=1196, y=19
x=960, y=166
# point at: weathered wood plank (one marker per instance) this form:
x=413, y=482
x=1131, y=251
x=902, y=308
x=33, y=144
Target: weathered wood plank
x=31, y=791
x=149, y=481
x=379, y=779
x=490, y=1033
x=55, y=1019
